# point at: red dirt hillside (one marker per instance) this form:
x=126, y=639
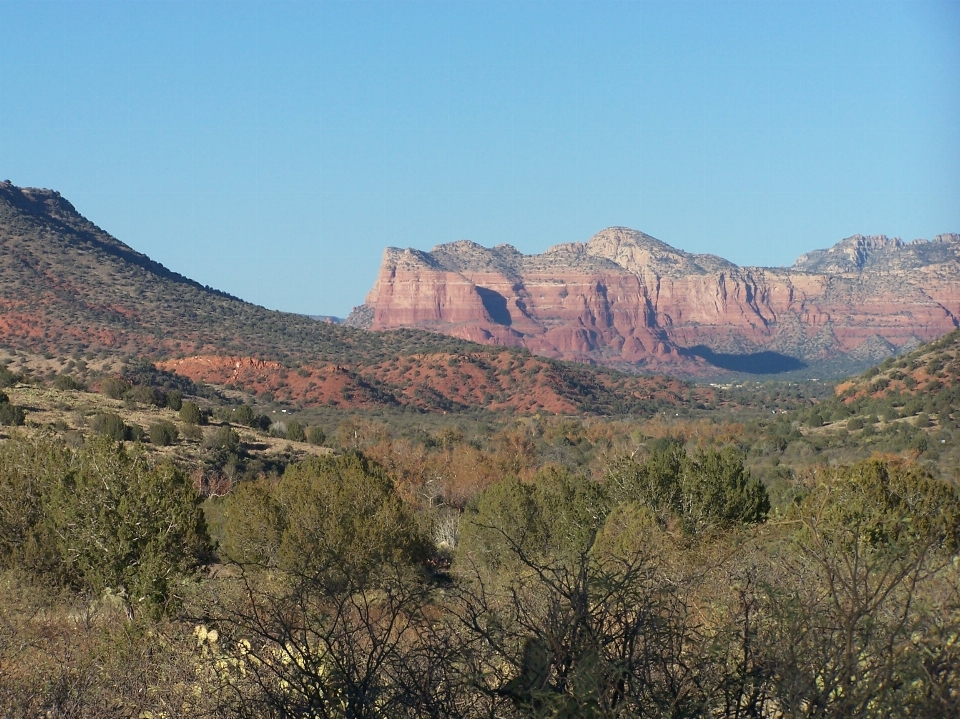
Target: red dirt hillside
x=932, y=370
x=497, y=380
x=68, y=287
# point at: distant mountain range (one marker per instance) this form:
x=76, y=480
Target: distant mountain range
x=69, y=288
x=627, y=300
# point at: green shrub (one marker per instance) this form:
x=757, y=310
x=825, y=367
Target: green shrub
x=572, y=507
x=174, y=400
x=709, y=490
x=114, y=388
x=190, y=413
x=11, y=415
x=503, y=518
x=28, y=470
x=629, y=529
x=243, y=415
x=316, y=435
x=855, y=423
x=192, y=431
x=123, y=524
x=250, y=525
x=99, y=518
x=141, y=394
x=223, y=438
x=295, y=432
x=327, y=518
x=886, y=503
x=8, y=378
x=163, y=433
x=109, y=425
x=718, y=491
x=65, y=382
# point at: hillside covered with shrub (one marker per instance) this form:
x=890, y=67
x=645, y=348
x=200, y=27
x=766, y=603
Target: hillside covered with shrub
x=67, y=288
x=758, y=557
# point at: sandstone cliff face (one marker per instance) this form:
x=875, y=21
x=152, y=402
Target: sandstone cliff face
x=627, y=299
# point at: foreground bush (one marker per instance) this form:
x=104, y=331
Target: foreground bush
x=99, y=518
x=567, y=597
x=10, y=414
x=327, y=517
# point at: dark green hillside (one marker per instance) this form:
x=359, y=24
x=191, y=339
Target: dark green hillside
x=67, y=285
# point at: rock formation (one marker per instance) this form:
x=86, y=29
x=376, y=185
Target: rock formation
x=629, y=300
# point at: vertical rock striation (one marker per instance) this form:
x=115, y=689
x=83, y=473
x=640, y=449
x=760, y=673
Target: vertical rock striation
x=629, y=300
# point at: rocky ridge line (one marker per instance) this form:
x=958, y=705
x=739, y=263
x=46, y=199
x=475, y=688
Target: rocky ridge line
x=629, y=300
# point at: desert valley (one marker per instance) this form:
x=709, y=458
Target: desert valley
x=611, y=480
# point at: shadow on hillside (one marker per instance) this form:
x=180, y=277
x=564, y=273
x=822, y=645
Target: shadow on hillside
x=754, y=363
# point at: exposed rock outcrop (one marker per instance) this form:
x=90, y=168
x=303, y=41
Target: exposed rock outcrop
x=629, y=300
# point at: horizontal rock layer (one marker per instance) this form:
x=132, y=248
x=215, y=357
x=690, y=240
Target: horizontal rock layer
x=629, y=300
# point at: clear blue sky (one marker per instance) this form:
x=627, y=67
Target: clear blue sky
x=273, y=149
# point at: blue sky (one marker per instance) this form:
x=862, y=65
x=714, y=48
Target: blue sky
x=273, y=149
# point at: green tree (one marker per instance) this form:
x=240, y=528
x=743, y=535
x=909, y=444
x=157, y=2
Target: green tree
x=123, y=524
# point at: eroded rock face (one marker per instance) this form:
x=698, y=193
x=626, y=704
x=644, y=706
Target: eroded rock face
x=627, y=299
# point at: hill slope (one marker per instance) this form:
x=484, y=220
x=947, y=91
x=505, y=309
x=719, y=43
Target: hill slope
x=628, y=300
x=67, y=286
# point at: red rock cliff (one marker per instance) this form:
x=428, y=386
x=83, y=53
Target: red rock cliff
x=627, y=299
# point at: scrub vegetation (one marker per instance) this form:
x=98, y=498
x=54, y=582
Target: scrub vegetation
x=175, y=549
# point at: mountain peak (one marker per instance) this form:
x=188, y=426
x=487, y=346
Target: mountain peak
x=640, y=253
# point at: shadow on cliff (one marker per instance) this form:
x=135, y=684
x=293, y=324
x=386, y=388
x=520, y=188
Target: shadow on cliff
x=496, y=306
x=753, y=363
